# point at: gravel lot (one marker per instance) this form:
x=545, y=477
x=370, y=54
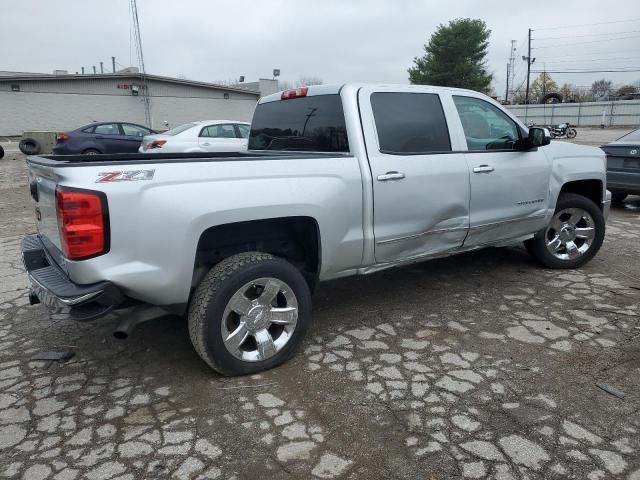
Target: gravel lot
x=476, y=366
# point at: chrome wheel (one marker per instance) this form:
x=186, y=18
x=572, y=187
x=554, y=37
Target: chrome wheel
x=570, y=233
x=259, y=319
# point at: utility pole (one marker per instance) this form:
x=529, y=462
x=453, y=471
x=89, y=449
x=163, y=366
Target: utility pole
x=506, y=93
x=113, y=64
x=529, y=62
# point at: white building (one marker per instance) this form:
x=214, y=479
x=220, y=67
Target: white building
x=34, y=102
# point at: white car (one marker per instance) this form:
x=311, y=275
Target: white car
x=204, y=136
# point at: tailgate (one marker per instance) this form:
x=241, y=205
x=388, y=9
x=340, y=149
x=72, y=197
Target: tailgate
x=42, y=185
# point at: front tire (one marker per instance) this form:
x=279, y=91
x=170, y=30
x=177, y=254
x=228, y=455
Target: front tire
x=249, y=313
x=572, y=133
x=574, y=235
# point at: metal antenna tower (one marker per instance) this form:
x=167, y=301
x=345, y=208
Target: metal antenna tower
x=512, y=67
x=138, y=41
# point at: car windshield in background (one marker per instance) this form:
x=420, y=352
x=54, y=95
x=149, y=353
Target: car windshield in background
x=179, y=129
x=630, y=137
x=314, y=123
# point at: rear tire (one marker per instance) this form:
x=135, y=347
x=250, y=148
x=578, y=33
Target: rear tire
x=91, y=151
x=238, y=325
x=574, y=235
x=618, y=197
x=1, y=152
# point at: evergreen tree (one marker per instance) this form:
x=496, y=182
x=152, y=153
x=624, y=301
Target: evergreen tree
x=455, y=57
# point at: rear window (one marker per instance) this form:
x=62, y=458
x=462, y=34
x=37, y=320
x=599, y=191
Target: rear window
x=180, y=129
x=410, y=123
x=313, y=123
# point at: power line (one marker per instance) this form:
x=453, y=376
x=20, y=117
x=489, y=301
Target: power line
x=613, y=59
x=584, y=43
x=587, y=71
x=590, y=59
x=588, y=35
x=589, y=24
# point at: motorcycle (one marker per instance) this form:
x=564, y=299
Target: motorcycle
x=562, y=130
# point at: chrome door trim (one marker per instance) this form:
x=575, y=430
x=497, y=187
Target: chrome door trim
x=421, y=234
x=457, y=229
x=511, y=220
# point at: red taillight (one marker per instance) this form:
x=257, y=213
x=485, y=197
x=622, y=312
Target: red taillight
x=62, y=137
x=298, y=92
x=82, y=223
x=157, y=144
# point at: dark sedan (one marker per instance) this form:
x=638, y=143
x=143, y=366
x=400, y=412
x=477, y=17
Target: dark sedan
x=103, y=137
x=623, y=166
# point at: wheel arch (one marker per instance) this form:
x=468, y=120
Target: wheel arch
x=294, y=238
x=590, y=188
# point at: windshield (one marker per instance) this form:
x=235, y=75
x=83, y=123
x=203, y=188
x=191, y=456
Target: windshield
x=631, y=136
x=313, y=123
x=180, y=129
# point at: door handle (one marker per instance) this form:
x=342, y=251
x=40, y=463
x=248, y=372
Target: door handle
x=390, y=176
x=206, y=144
x=483, y=169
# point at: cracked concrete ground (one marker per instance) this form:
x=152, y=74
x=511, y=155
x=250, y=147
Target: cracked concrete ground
x=477, y=366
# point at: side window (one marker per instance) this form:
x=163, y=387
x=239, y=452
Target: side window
x=410, y=123
x=107, y=129
x=89, y=130
x=243, y=130
x=486, y=127
x=134, y=130
x=219, y=131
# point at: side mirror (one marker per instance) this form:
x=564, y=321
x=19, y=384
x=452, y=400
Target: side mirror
x=538, y=137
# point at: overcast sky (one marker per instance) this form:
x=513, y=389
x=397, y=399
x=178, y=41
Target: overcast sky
x=336, y=40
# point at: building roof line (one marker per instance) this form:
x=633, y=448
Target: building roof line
x=123, y=75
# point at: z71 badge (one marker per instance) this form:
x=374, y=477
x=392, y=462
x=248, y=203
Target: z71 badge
x=127, y=176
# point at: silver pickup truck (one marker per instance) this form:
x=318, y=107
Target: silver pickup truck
x=338, y=181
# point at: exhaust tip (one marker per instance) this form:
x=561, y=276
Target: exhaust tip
x=33, y=299
x=121, y=335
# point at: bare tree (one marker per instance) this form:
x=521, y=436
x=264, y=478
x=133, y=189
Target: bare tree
x=626, y=90
x=600, y=88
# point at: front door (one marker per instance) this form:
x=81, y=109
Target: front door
x=509, y=187
x=420, y=187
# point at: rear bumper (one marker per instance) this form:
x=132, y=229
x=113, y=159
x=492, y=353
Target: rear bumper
x=51, y=286
x=623, y=181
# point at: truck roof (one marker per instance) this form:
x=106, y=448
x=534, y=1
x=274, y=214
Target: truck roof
x=332, y=89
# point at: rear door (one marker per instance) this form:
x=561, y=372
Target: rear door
x=242, y=132
x=420, y=185
x=509, y=187
x=220, y=138
x=133, y=135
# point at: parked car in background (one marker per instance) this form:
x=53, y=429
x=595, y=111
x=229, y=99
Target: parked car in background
x=103, y=137
x=623, y=166
x=204, y=136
